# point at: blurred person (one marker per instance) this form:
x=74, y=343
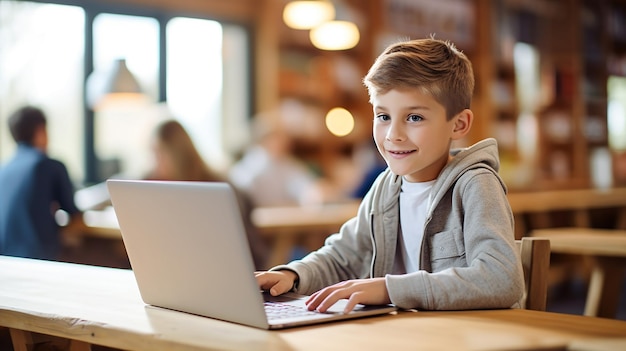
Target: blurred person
x=372, y=165
x=177, y=159
x=270, y=174
x=33, y=187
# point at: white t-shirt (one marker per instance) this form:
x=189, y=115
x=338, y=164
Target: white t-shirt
x=414, y=202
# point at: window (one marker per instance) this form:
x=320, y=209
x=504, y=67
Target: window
x=122, y=130
x=205, y=83
x=617, y=113
x=194, y=80
x=41, y=63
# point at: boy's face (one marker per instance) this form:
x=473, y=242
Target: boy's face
x=412, y=133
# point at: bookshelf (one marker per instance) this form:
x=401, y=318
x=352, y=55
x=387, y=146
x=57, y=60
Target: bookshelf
x=550, y=128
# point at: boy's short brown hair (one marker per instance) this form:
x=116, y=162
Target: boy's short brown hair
x=435, y=66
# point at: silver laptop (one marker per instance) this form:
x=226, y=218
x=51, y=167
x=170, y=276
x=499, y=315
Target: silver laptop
x=189, y=252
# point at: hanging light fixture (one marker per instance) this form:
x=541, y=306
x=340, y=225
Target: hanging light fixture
x=341, y=33
x=117, y=84
x=327, y=31
x=306, y=14
x=339, y=121
x=335, y=35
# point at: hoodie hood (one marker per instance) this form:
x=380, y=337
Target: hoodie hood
x=483, y=154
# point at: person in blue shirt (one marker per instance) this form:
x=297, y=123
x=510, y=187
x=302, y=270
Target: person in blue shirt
x=32, y=188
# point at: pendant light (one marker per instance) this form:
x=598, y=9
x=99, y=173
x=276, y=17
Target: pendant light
x=116, y=84
x=335, y=35
x=306, y=14
x=339, y=121
x=330, y=22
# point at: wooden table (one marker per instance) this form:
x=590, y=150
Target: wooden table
x=539, y=205
x=285, y=226
x=607, y=250
x=574, y=199
x=102, y=223
x=97, y=305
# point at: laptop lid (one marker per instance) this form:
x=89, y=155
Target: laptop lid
x=188, y=248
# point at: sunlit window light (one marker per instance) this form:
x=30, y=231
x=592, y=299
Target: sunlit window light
x=194, y=81
x=41, y=63
x=617, y=113
x=122, y=126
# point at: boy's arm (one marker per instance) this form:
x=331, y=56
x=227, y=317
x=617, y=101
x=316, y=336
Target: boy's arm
x=345, y=255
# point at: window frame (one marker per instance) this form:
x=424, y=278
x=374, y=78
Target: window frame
x=93, y=8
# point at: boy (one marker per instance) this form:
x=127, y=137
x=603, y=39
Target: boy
x=435, y=231
x=32, y=187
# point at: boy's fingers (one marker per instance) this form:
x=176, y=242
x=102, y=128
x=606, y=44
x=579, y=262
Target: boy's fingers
x=352, y=302
x=267, y=281
x=332, y=299
x=262, y=280
x=316, y=301
x=276, y=282
x=281, y=287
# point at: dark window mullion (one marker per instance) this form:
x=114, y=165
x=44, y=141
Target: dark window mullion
x=91, y=160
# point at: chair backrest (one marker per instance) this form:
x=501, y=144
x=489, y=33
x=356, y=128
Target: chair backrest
x=535, y=256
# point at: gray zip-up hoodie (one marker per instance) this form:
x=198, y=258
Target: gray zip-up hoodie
x=469, y=259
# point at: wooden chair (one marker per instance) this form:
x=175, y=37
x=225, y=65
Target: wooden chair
x=535, y=256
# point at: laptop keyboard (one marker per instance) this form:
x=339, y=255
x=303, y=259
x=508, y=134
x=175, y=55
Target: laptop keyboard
x=279, y=310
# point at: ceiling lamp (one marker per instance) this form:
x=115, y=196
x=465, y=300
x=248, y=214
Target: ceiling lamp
x=339, y=121
x=117, y=84
x=307, y=14
x=335, y=35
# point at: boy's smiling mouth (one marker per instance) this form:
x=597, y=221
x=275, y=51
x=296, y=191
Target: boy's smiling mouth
x=402, y=152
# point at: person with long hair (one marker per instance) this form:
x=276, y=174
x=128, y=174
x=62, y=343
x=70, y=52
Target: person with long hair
x=176, y=157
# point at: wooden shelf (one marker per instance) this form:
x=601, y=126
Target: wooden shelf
x=574, y=39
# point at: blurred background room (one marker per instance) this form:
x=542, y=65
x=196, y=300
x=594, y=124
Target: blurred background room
x=550, y=87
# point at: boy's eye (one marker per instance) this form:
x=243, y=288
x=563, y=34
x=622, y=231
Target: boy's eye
x=382, y=117
x=415, y=118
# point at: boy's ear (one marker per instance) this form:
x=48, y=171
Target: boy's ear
x=462, y=124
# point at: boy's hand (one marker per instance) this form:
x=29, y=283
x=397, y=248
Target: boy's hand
x=364, y=291
x=277, y=282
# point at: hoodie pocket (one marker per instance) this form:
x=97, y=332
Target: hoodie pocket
x=447, y=250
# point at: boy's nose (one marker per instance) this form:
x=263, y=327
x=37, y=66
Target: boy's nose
x=394, y=133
